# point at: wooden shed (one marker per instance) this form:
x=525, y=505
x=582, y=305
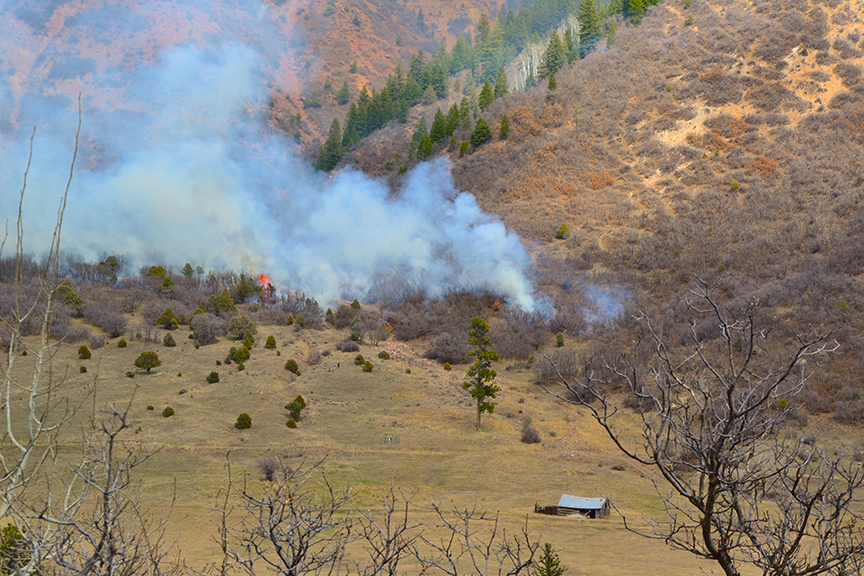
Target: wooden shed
x=577, y=506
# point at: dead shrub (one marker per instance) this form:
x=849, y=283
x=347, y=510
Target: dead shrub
x=530, y=435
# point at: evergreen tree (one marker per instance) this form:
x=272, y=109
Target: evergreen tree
x=610, y=38
x=552, y=86
x=429, y=96
x=549, y=563
x=465, y=113
x=530, y=81
x=420, y=131
x=421, y=21
x=400, y=110
x=413, y=93
x=351, y=135
x=482, y=133
x=453, y=119
x=331, y=152
x=615, y=7
x=505, y=127
x=437, y=78
x=343, y=95
x=439, y=127
x=462, y=56
x=636, y=10
x=482, y=31
x=589, y=26
x=487, y=96
x=416, y=67
x=501, y=87
x=424, y=147
x=556, y=54
x=480, y=375
x=492, y=53
x=148, y=360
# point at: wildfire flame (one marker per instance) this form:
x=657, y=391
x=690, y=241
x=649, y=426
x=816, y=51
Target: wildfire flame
x=267, y=289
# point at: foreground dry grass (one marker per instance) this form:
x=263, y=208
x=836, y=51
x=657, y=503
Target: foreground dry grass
x=438, y=455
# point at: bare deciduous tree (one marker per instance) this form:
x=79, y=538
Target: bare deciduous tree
x=737, y=486
x=33, y=410
x=475, y=543
x=100, y=528
x=290, y=529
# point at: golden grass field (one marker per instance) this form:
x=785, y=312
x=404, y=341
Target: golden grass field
x=437, y=455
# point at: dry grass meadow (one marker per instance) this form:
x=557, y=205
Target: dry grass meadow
x=436, y=454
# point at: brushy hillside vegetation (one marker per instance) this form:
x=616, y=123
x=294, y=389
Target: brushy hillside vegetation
x=719, y=140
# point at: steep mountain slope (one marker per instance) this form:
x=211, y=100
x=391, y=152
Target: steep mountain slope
x=54, y=50
x=718, y=139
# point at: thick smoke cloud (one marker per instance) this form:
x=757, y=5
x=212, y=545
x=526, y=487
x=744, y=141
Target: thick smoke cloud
x=186, y=171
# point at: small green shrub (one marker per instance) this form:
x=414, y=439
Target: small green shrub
x=735, y=186
x=168, y=341
x=290, y=320
x=355, y=304
x=213, y=377
x=359, y=360
x=168, y=412
x=23, y=353
x=82, y=369
x=448, y=366
x=295, y=409
x=122, y=343
x=218, y=362
x=271, y=343
x=84, y=352
x=367, y=366
x=150, y=407
x=291, y=366
x=244, y=421
x=407, y=370
x=168, y=320
x=559, y=340
x=300, y=400
x=291, y=423
x=247, y=343
x=237, y=355
x=384, y=355
x=301, y=321
x=240, y=366
x=688, y=21
x=562, y=232
x=130, y=374
x=463, y=148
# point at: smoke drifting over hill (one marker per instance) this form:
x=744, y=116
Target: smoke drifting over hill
x=184, y=169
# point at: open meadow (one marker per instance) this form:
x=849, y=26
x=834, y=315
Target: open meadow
x=372, y=430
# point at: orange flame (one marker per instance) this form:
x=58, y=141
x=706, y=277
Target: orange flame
x=497, y=302
x=266, y=285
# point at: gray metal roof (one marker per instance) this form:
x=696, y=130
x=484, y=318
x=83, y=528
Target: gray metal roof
x=568, y=501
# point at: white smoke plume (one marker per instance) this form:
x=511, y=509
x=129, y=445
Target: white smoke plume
x=186, y=171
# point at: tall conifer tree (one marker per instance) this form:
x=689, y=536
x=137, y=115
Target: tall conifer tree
x=589, y=26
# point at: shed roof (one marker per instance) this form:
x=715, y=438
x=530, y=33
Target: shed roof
x=568, y=501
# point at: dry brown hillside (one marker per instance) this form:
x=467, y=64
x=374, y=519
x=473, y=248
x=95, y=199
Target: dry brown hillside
x=57, y=49
x=718, y=139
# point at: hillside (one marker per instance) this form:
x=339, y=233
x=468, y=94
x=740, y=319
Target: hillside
x=53, y=51
x=726, y=147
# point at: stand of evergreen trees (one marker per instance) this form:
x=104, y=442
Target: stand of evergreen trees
x=495, y=43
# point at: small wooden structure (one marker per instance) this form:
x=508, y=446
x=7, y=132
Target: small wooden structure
x=575, y=506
